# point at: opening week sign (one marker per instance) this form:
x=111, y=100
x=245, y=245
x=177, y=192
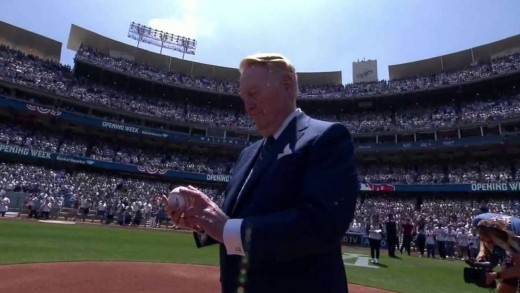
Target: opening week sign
x=470, y=187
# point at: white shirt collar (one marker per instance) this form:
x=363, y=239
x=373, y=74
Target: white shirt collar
x=285, y=123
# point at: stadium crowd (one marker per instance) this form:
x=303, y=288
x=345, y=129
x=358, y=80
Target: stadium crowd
x=489, y=171
x=110, y=198
x=443, y=224
x=71, y=144
x=58, y=79
x=497, y=66
x=128, y=199
x=143, y=71
x=53, y=189
x=97, y=186
x=417, y=173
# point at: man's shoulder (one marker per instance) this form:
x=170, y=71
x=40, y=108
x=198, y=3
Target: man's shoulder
x=320, y=126
x=317, y=123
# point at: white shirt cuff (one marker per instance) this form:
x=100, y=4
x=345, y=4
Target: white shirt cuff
x=232, y=238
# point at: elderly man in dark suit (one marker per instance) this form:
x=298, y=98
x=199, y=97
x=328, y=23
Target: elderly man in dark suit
x=291, y=198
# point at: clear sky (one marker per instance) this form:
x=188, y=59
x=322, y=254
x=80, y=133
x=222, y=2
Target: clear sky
x=324, y=35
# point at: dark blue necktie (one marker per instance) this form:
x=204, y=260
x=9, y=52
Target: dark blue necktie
x=266, y=151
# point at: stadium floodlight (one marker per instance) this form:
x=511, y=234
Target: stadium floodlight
x=145, y=34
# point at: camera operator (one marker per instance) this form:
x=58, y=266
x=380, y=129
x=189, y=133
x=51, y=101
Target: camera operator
x=500, y=231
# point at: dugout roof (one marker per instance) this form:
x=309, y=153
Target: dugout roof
x=456, y=61
x=79, y=35
x=29, y=42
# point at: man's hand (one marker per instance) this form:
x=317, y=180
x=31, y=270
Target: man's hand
x=203, y=214
x=177, y=215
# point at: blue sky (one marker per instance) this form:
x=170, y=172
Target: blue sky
x=325, y=35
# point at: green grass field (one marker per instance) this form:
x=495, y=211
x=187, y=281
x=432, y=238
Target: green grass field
x=31, y=242
x=411, y=274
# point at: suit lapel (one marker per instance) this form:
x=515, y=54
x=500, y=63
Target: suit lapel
x=292, y=133
x=242, y=171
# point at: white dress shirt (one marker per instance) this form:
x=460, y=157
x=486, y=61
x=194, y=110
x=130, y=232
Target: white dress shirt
x=232, y=238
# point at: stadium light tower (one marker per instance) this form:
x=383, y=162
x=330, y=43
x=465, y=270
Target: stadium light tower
x=145, y=34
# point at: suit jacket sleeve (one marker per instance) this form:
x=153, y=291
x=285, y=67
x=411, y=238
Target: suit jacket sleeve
x=325, y=209
x=203, y=239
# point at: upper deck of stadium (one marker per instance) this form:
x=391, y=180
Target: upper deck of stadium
x=440, y=64
x=29, y=42
x=80, y=36
x=456, y=61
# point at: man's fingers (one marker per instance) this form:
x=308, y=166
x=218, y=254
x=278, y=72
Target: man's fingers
x=194, y=211
x=190, y=224
x=176, y=217
x=197, y=213
x=196, y=223
x=194, y=196
x=167, y=207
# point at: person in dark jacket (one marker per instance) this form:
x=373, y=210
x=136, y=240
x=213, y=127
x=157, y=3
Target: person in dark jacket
x=290, y=199
x=391, y=235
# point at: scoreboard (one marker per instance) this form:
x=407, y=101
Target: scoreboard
x=364, y=71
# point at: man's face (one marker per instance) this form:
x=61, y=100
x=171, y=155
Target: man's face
x=266, y=98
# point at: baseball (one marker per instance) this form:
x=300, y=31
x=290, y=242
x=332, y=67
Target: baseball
x=175, y=199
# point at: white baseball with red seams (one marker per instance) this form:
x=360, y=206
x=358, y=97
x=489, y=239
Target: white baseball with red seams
x=175, y=199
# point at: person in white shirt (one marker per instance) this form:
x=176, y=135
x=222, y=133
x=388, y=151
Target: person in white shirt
x=463, y=239
x=4, y=205
x=375, y=235
x=451, y=239
x=45, y=208
x=430, y=243
x=101, y=209
x=147, y=210
x=474, y=244
x=440, y=238
x=34, y=204
x=84, y=207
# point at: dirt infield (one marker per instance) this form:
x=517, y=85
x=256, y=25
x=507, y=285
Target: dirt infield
x=112, y=277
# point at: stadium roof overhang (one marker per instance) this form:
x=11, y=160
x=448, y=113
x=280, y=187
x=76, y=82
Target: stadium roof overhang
x=79, y=36
x=456, y=61
x=29, y=42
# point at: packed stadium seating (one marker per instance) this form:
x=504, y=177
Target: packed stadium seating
x=496, y=67
x=448, y=210
x=416, y=173
x=123, y=192
x=58, y=79
x=61, y=188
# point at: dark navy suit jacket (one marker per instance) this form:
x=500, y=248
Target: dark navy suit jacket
x=295, y=210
